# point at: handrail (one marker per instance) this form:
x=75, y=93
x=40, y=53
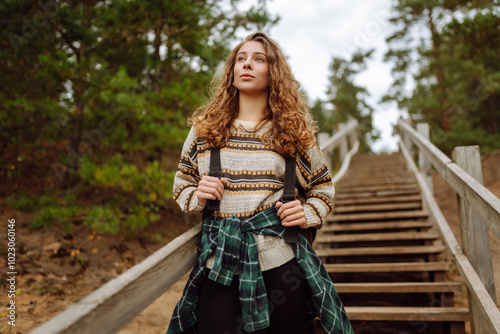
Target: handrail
x=483, y=308
x=345, y=163
x=111, y=307
x=329, y=144
x=340, y=139
x=485, y=202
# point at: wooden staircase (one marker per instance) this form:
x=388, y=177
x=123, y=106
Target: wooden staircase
x=385, y=257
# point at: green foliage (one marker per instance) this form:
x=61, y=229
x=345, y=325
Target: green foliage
x=46, y=201
x=55, y=215
x=455, y=68
x=145, y=192
x=110, y=76
x=103, y=220
x=21, y=202
x=347, y=100
x=151, y=185
x=69, y=199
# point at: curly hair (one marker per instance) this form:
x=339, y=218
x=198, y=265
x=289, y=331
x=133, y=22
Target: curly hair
x=293, y=127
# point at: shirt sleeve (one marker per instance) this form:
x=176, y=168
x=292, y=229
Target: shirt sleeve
x=187, y=176
x=318, y=187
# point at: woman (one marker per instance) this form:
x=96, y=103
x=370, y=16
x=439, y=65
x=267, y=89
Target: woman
x=247, y=278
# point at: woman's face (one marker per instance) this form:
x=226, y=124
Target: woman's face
x=251, y=69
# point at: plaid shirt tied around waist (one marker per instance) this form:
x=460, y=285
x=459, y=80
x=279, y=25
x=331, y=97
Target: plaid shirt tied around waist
x=233, y=242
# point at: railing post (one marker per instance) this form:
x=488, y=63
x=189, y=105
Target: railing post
x=424, y=162
x=343, y=145
x=406, y=138
x=474, y=232
x=352, y=138
x=322, y=137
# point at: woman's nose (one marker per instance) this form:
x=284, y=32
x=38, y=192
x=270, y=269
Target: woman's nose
x=247, y=65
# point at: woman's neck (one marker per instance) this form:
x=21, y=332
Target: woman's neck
x=251, y=107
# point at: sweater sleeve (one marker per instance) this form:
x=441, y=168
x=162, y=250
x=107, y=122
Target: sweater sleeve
x=187, y=176
x=318, y=187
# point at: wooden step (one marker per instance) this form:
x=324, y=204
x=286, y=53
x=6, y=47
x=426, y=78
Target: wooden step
x=397, y=236
x=386, y=313
x=376, y=251
x=399, y=287
x=378, y=188
x=371, y=164
x=384, y=193
x=391, y=225
x=377, y=207
x=378, y=167
x=372, y=216
x=370, y=181
x=370, y=200
x=398, y=267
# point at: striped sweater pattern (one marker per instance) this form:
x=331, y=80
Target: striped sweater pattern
x=255, y=175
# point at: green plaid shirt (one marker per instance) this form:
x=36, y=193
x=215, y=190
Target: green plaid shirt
x=233, y=242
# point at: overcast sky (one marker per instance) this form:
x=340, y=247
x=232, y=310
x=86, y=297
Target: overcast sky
x=311, y=33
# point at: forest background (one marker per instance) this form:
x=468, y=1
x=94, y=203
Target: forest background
x=94, y=98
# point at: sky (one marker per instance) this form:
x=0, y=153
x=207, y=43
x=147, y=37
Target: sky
x=311, y=33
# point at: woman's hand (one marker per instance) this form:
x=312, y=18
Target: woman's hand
x=210, y=187
x=292, y=214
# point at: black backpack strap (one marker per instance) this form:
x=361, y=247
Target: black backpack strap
x=215, y=171
x=291, y=233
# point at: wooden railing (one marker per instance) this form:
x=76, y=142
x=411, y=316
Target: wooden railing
x=346, y=140
x=478, y=210
x=119, y=301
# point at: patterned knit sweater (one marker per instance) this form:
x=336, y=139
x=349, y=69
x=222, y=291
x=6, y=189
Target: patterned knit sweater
x=255, y=175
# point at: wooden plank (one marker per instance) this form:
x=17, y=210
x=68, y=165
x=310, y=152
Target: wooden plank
x=372, y=181
x=386, y=313
x=379, y=216
x=377, y=207
x=387, y=267
x=479, y=295
x=483, y=201
x=349, y=130
x=474, y=233
x=375, y=251
x=394, y=193
x=398, y=236
x=398, y=175
x=423, y=161
x=111, y=307
x=345, y=164
x=335, y=140
x=439, y=159
x=478, y=292
x=389, y=199
x=399, y=287
x=395, y=225
x=379, y=188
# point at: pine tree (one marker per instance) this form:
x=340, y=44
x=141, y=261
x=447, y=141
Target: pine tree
x=453, y=68
x=348, y=100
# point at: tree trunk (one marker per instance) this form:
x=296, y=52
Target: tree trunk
x=80, y=87
x=445, y=123
x=156, y=54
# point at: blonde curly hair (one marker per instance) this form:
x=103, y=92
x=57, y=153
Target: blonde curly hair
x=293, y=127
